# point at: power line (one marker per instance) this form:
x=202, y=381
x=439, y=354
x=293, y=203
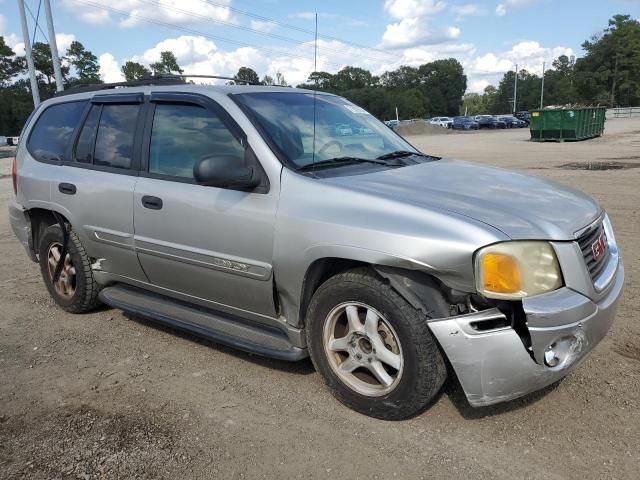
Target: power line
x=196, y=32
x=35, y=30
x=35, y=20
x=294, y=27
x=252, y=30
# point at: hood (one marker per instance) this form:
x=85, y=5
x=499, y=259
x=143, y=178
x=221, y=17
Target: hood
x=521, y=206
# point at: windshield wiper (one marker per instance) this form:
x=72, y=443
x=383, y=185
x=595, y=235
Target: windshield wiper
x=337, y=161
x=400, y=153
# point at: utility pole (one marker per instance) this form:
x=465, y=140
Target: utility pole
x=397, y=117
x=53, y=44
x=27, y=49
x=542, y=89
x=515, y=91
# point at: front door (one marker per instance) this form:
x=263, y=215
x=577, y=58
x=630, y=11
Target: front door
x=211, y=245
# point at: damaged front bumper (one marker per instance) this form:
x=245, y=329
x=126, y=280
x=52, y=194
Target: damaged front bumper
x=494, y=366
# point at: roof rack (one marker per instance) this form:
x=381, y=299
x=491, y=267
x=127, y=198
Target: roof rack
x=146, y=81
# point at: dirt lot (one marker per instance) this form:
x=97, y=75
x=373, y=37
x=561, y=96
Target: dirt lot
x=108, y=396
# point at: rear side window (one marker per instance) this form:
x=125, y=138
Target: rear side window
x=116, y=132
x=84, y=148
x=183, y=134
x=50, y=136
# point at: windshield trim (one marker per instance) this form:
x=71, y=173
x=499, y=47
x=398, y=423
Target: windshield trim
x=280, y=155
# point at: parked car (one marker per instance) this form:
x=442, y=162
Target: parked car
x=365, y=131
x=13, y=141
x=489, y=121
x=441, y=121
x=392, y=123
x=3, y=140
x=343, y=129
x=464, y=123
x=207, y=208
x=513, y=122
x=524, y=116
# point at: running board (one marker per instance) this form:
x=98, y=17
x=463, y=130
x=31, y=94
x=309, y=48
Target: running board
x=218, y=327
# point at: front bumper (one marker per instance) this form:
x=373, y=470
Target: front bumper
x=21, y=225
x=493, y=365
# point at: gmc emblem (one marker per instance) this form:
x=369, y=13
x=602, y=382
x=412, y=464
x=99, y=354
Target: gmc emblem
x=599, y=247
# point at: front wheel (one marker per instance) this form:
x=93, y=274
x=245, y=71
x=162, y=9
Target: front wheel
x=372, y=348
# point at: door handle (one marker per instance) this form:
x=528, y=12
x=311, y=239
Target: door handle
x=67, y=188
x=154, y=203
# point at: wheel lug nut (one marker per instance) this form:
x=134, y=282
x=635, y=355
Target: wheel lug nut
x=358, y=356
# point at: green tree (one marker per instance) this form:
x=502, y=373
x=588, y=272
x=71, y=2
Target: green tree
x=610, y=70
x=352, y=77
x=168, y=64
x=134, y=71
x=246, y=75
x=84, y=62
x=267, y=80
x=44, y=64
x=280, y=79
x=9, y=65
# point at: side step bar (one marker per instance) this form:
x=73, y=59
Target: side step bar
x=218, y=327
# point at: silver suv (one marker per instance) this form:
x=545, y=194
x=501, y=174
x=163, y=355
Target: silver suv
x=239, y=214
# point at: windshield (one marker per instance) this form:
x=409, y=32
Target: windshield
x=342, y=129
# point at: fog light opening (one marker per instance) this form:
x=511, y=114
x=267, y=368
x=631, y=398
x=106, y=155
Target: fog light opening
x=551, y=358
x=564, y=351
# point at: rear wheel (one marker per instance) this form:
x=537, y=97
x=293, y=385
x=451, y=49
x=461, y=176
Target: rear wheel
x=373, y=349
x=75, y=290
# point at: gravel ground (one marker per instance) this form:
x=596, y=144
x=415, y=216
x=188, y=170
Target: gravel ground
x=105, y=395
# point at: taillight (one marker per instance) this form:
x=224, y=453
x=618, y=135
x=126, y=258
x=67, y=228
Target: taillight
x=14, y=176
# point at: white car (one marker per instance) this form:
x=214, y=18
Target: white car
x=441, y=121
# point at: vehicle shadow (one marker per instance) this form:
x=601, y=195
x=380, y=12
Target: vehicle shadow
x=453, y=390
x=302, y=367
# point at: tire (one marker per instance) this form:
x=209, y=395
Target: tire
x=422, y=370
x=82, y=294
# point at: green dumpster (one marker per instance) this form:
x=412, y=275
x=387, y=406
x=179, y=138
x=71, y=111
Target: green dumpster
x=567, y=124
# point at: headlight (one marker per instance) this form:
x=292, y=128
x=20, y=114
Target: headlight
x=511, y=270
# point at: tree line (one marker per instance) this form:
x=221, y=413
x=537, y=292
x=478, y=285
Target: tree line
x=608, y=74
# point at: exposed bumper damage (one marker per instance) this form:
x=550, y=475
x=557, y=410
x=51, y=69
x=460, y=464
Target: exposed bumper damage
x=22, y=228
x=494, y=366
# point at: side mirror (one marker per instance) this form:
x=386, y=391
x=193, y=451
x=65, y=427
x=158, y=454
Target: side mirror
x=222, y=171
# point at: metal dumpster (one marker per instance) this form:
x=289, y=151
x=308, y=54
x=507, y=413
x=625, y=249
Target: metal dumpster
x=567, y=124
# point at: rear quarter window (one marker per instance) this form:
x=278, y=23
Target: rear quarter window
x=53, y=130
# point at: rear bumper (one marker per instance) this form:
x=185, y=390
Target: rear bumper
x=494, y=366
x=21, y=225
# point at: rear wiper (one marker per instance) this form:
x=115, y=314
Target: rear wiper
x=330, y=162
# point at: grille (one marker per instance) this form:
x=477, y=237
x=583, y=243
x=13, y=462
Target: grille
x=586, y=241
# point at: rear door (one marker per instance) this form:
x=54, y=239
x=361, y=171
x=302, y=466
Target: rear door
x=96, y=180
x=210, y=245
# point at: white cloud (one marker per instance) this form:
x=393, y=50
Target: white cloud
x=171, y=11
x=528, y=55
x=260, y=26
x=10, y=38
x=415, y=31
x=501, y=9
x=467, y=10
x=478, y=86
x=109, y=69
x=403, y=9
x=94, y=16
x=63, y=40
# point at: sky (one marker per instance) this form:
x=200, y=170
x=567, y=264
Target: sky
x=217, y=37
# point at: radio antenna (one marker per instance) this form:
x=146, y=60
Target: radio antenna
x=315, y=90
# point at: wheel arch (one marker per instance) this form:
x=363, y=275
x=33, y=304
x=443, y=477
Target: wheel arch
x=422, y=290
x=40, y=219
